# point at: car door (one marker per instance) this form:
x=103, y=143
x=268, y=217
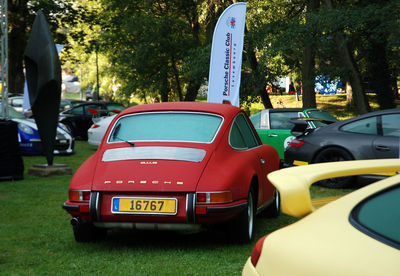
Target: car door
x=387, y=144
x=277, y=130
x=86, y=120
x=246, y=139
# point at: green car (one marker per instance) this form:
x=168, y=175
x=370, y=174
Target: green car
x=274, y=126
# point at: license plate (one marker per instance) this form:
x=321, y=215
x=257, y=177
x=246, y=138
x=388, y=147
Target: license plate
x=144, y=205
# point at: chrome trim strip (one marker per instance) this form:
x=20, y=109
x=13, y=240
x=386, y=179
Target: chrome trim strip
x=73, y=208
x=224, y=209
x=98, y=204
x=191, y=208
x=150, y=226
x=94, y=209
x=154, y=153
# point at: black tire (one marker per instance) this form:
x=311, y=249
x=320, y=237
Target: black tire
x=87, y=232
x=332, y=155
x=242, y=228
x=274, y=209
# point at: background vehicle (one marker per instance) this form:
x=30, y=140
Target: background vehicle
x=369, y=136
x=79, y=118
x=16, y=102
x=29, y=138
x=274, y=125
x=90, y=93
x=175, y=166
x=98, y=129
x=353, y=235
x=67, y=104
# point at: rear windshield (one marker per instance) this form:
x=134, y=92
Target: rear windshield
x=379, y=216
x=167, y=126
x=320, y=114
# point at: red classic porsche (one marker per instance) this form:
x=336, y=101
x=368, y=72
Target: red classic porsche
x=175, y=166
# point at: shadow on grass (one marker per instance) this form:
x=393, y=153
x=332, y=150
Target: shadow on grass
x=214, y=237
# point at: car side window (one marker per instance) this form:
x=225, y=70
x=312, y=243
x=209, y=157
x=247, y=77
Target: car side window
x=92, y=106
x=255, y=119
x=77, y=111
x=236, y=138
x=281, y=120
x=390, y=125
x=376, y=217
x=242, y=135
x=364, y=126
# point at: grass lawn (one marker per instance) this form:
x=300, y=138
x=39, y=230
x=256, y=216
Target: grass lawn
x=36, y=237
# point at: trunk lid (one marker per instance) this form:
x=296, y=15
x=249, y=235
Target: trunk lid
x=150, y=169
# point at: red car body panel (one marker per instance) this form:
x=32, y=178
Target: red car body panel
x=221, y=169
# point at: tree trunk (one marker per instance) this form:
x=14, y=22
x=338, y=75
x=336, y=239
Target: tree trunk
x=177, y=80
x=381, y=76
x=308, y=73
x=259, y=76
x=164, y=85
x=349, y=94
x=309, y=77
x=194, y=83
x=192, y=90
x=18, y=12
x=359, y=98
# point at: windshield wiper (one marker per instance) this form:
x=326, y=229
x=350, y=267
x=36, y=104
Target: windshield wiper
x=126, y=141
x=115, y=136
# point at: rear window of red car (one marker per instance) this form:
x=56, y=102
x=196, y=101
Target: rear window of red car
x=167, y=126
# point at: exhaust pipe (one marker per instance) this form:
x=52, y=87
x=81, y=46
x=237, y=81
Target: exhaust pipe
x=75, y=221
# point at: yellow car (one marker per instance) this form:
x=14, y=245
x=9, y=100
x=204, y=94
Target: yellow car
x=357, y=234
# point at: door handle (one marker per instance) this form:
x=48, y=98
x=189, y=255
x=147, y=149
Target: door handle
x=272, y=135
x=382, y=148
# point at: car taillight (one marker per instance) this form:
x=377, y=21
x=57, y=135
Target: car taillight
x=79, y=195
x=296, y=143
x=255, y=254
x=95, y=126
x=214, y=197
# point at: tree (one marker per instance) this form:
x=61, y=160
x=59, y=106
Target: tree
x=20, y=18
x=154, y=47
x=18, y=12
x=354, y=90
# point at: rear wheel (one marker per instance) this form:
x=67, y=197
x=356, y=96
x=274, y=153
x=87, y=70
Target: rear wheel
x=332, y=155
x=274, y=209
x=242, y=228
x=87, y=232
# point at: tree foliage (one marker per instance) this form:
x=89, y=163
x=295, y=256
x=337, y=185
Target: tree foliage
x=159, y=50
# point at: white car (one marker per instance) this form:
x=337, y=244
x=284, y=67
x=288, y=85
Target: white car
x=98, y=129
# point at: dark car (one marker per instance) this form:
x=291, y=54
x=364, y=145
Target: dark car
x=67, y=104
x=90, y=93
x=274, y=125
x=369, y=136
x=79, y=118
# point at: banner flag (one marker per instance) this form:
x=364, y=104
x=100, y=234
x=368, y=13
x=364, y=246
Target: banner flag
x=226, y=55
